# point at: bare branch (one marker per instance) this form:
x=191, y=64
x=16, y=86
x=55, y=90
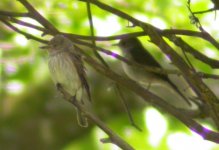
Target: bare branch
x=27, y=35
x=201, y=89
x=192, y=77
x=13, y=14
x=187, y=48
x=113, y=137
x=35, y=15
x=155, y=100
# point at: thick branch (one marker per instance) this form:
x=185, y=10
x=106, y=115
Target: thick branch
x=13, y=14
x=155, y=100
x=187, y=48
x=113, y=137
x=201, y=89
x=132, y=63
x=155, y=34
x=35, y=15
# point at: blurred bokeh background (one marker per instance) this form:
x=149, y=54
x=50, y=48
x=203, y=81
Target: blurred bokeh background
x=33, y=114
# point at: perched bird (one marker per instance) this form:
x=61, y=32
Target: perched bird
x=133, y=50
x=67, y=70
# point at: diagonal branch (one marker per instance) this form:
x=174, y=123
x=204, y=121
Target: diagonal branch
x=149, y=97
x=23, y=23
x=27, y=35
x=201, y=89
x=195, y=53
x=113, y=137
x=193, y=77
x=37, y=16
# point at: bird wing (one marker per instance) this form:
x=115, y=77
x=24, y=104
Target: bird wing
x=143, y=57
x=81, y=71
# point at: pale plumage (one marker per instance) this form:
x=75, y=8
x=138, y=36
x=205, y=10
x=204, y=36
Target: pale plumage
x=66, y=69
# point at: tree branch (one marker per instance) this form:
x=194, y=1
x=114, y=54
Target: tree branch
x=155, y=34
x=113, y=137
x=154, y=100
x=187, y=48
x=204, y=93
x=27, y=35
x=35, y=15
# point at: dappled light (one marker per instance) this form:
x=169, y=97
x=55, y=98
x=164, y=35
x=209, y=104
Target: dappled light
x=131, y=106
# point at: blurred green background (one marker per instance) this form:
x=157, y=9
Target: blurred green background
x=33, y=114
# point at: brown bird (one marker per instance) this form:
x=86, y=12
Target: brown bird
x=67, y=70
x=132, y=49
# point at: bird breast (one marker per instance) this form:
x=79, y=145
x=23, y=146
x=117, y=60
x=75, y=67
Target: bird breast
x=63, y=71
x=140, y=75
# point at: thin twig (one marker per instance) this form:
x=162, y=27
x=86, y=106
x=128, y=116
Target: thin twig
x=124, y=102
x=23, y=23
x=204, y=11
x=117, y=12
x=92, y=34
x=165, y=32
x=27, y=35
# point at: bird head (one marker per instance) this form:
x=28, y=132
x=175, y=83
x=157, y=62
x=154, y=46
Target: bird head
x=58, y=43
x=128, y=44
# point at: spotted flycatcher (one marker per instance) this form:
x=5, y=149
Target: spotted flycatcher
x=68, y=72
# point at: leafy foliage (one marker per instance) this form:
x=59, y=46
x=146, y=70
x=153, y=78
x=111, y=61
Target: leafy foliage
x=34, y=115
